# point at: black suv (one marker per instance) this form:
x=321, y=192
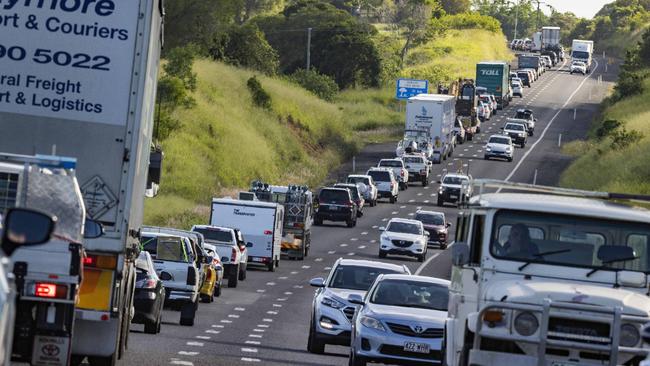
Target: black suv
x=335, y=204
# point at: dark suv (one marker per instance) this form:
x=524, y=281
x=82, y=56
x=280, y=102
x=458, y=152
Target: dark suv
x=335, y=204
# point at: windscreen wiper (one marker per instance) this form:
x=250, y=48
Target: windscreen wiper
x=560, y=251
x=610, y=262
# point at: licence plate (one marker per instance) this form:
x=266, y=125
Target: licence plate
x=258, y=259
x=416, y=347
x=453, y=196
x=334, y=208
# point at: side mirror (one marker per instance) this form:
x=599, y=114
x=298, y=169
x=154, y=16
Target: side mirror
x=24, y=227
x=535, y=119
x=460, y=254
x=208, y=259
x=93, y=229
x=355, y=299
x=382, y=228
x=439, y=181
x=249, y=245
x=448, y=224
x=317, y=282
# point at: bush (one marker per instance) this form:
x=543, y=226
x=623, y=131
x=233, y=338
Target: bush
x=629, y=83
x=179, y=65
x=471, y=21
x=322, y=86
x=245, y=46
x=622, y=138
x=607, y=128
x=261, y=98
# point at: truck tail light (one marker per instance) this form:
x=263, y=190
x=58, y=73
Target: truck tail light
x=50, y=290
x=191, y=276
x=233, y=255
x=100, y=261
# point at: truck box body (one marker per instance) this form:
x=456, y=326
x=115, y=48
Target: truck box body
x=582, y=50
x=550, y=37
x=260, y=222
x=528, y=62
x=433, y=113
x=90, y=97
x=494, y=76
x=536, y=46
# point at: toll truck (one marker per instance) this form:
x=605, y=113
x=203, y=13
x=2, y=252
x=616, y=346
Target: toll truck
x=493, y=75
x=298, y=202
x=48, y=276
x=90, y=96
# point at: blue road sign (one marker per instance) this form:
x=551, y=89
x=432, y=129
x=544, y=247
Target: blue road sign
x=407, y=88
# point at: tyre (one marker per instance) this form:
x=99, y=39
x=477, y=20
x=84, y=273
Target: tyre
x=478, y=129
x=217, y=290
x=356, y=360
x=103, y=361
x=350, y=223
x=314, y=345
x=523, y=144
x=485, y=157
x=425, y=182
x=443, y=246
x=233, y=277
x=205, y=298
x=242, y=273
x=470, y=137
x=440, y=202
x=393, y=199
x=318, y=221
x=510, y=160
x=188, y=312
x=382, y=254
x=422, y=257
x=151, y=328
x=271, y=266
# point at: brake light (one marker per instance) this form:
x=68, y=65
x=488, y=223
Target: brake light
x=349, y=203
x=391, y=186
x=149, y=284
x=401, y=173
x=50, y=290
x=100, y=261
x=298, y=225
x=268, y=232
x=233, y=255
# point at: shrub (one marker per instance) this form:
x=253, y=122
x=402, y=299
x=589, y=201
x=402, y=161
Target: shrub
x=245, y=46
x=179, y=65
x=607, y=128
x=261, y=98
x=629, y=83
x=471, y=21
x=321, y=85
x=622, y=138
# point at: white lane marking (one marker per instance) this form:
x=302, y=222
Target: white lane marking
x=180, y=362
x=257, y=330
x=426, y=201
x=351, y=253
x=235, y=316
x=541, y=137
x=294, y=272
x=261, y=291
x=364, y=233
x=343, y=245
x=281, y=299
x=354, y=239
x=426, y=263
x=306, y=267
x=426, y=187
x=248, y=359
x=267, y=320
x=249, y=350
x=412, y=214
x=270, y=283
x=362, y=246
x=318, y=260
x=240, y=309
x=255, y=336
x=402, y=206
x=373, y=241
x=217, y=326
x=433, y=194
x=418, y=208
x=327, y=268
x=288, y=293
x=450, y=164
x=226, y=321
x=419, y=193
x=374, y=226
x=262, y=325
x=458, y=155
x=331, y=252
x=271, y=312
x=298, y=286
x=411, y=201
x=210, y=331
x=195, y=344
x=187, y=353
x=256, y=343
x=283, y=278
x=203, y=337
x=394, y=213
x=277, y=305
x=384, y=219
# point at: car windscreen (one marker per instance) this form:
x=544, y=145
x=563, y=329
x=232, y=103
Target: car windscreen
x=215, y=234
x=412, y=294
x=357, y=180
x=499, y=140
x=514, y=127
x=522, y=115
x=380, y=176
x=414, y=159
x=404, y=227
x=333, y=195
x=523, y=75
x=430, y=219
x=391, y=163
x=454, y=180
x=356, y=277
x=171, y=249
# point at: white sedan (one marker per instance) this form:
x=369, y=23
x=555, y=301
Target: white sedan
x=404, y=237
x=578, y=66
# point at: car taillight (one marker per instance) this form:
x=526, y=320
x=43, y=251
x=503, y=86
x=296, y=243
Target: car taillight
x=149, y=284
x=268, y=232
x=298, y=224
x=233, y=255
x=100, y=261
x=349, y=203
x=401, y=173
x=423, y=171
x=50, y=290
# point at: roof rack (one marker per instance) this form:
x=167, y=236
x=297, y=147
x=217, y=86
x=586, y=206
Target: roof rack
x=482, y=184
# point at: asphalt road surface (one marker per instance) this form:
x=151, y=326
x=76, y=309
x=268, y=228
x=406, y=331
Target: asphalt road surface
x=265, y=320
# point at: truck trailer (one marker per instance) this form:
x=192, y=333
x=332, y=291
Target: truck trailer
x=493, y=75
x=433, y=113
x=550, y=37
x=90, y=96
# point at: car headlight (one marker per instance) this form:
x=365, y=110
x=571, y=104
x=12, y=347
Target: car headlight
x=372, y=323
x=508, y=148
x=629, y=335
x=487, y=148
x=328, y=301
x=521, y=134
x=526, y=324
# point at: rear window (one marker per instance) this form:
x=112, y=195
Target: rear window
x=522, y=115
x=430, y=219
x=165, y=248
x=414, y=159
x=357, y=180
x=353, y=190
x=333, y=195
x=391, y=163
x=380, y=176
x=455, y=180
x=215, y=234
x=514, y=127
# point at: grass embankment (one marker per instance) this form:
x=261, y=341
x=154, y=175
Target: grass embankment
x=604, y=168
x=226, y=142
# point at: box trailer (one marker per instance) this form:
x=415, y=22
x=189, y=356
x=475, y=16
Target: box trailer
x=434, y=114
x=550, y=37
x=261, y=224
x=493, y=75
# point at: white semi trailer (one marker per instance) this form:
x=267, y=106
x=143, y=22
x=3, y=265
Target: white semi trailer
x=434, y=115
x=79, y=78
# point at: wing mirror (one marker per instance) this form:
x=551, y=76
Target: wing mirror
x=448, y=224
x=208, y=259
x=249, y=245
x=382, y=228
x=460, y=254
x=93, y=229
x=24, y=227
x=355, y=299
x=317, y=282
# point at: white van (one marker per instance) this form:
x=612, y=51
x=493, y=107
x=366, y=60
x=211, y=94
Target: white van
x=259, y=222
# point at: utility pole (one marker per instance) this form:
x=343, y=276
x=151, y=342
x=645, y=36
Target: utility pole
x=308, y=48
x=516, y=17
x=539, y=20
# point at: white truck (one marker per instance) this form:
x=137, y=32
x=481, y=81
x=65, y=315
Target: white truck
x=90, y=95
x=48, y=275
x=548, y=276
x=435, y=114
x=536, y=45
x=261, y=224
x=582, y=50
x=550, y=37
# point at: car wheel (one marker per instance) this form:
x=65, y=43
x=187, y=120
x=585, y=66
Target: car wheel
x=205, y=298
x=510, y=160
x=523, y=144
x=271, y=266
x=485, y=157
x=356, y=360
x=150, y=328
x=382, y=254
x=422, y=257
x=103, y=361
x=242, y=273
x=443, y=246
x=393, y=199
x=318, y=221
x=314, y=345
x=233, y=277
x=440, y=201
x=188, y=312
x=425, y=182
x=217, y=290
x=349, y=223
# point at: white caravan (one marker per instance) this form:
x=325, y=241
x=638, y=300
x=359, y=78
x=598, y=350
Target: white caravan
x=433, y=113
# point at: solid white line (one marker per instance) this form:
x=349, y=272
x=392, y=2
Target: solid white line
x=541, y=137
x=417, y=272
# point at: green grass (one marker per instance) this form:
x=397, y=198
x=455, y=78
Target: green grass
x=599, y=167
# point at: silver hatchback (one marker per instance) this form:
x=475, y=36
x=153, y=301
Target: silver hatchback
x=401, y=320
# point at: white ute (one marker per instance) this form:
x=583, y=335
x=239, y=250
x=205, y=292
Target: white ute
x=559, y=278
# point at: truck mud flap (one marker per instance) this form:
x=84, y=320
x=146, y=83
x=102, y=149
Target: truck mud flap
x=50, y=351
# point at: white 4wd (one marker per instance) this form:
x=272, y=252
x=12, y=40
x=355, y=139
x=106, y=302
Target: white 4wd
x=387, y=185
x=418, y=168
x=231, y=248
x=548, y=279
x=399, y=170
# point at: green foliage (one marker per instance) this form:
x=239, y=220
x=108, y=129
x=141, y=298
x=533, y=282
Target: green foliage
x=261, y=98
x=644, y=48
x=472, y=20
x=455, y=6
x=629, y=83
x=341, y=45
x=622, y=138
x=179, y=65
x=244, y=46
x=607, y=127
x=322, y=85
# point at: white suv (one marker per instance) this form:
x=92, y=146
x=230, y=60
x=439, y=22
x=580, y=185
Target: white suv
x=499, y=146
x=387, y=185
x=231, y=248
x=398, y=168
x=404, y=237
x=368, y=187
x=331, y=313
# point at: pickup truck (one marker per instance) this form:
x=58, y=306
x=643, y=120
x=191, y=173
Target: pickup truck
x=527, y=115
x=518, y=132
x=399, y=170
x=418, y=168
x=231, y=248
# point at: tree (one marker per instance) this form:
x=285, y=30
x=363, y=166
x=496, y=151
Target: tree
x=455, y=6
x=245, y=45
x=413, y=17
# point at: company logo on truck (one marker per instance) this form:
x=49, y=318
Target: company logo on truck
x=241, y=213
x=102, y=7
x=492, y=72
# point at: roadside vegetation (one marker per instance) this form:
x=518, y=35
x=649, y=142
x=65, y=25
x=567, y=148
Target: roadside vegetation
x=615, y=157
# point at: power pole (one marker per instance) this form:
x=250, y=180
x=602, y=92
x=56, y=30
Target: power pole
x=516, y=17
x=539, y=19
x=308, y=48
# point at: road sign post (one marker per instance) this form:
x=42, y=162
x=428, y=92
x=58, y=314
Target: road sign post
x=406, y=88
